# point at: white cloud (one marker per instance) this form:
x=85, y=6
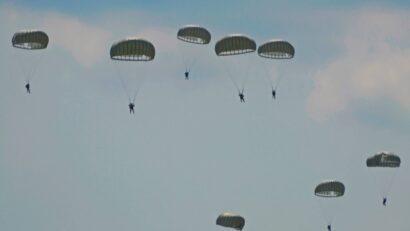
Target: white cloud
x=374, y=65
x=88, y=44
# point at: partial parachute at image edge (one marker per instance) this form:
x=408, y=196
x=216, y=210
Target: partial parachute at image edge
x=132, y=49
x=276, y=49
x=234, y=44
x=231, y=220
x=30, y=40
x=194, y=34
x=330, y=188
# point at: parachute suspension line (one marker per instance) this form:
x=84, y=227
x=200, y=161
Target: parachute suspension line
x=325, y=213
x=247, y=72
x=267, y=76
x=123, y=85
x=24, y=65
x=278, y=82
x=230, y=76
x=389, y=183
x=182, y=54
x=138, y=86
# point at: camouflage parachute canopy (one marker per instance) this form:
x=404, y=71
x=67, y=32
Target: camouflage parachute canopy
x=231, y=220
x=276, y=49
x=194, y=34
x=234, y=44
x=383, y=159
x=132, y=49
x=30, y=40
x=330, y=189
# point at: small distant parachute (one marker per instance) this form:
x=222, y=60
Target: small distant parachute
x=131, y=56
x=194, y=34
x=30, y=40
x=275, y=49
x=384, y=159
x=192, y=38
x=384, y=165
x=231, y=220
x=330, y=189
x=236, y=49
x=327, y=193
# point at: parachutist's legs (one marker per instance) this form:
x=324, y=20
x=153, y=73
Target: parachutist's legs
x=28, y=88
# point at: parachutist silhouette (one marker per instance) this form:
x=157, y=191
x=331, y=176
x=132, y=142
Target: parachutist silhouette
x=28, y=88
x=329, y=228
x=186, y=74
x=384, y=201
x=273, y=94
x=242, y=96
x=131, y=106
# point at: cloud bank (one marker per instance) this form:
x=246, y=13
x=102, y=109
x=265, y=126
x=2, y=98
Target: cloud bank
x=373, y=65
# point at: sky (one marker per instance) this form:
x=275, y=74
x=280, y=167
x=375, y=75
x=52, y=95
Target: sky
x=73, y=158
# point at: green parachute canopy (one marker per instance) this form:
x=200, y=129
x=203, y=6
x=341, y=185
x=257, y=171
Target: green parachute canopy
x=132, y=49
x=30, y=40
x=384, y=159
x=330, y=189
x=234, y=44
x=194, y=34
x=276, y=49
x=231, y=220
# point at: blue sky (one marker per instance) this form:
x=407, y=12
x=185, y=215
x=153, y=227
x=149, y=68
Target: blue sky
x=72, y=158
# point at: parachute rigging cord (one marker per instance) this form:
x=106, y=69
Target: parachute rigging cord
x=240, y=87
x=28, y=67
x=267, y=75
x=184, y=57
x=132, y=95
x=124, y=87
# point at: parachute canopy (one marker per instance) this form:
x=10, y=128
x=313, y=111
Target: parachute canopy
x=276, y=49
x=234, y=45
x=231, y=220
x=194, y=34
x=330, y=189
x=132, y=49
x=30, y=40
x=383, y=159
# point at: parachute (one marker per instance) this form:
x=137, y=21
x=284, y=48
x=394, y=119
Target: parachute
x=30, y=40
x=275, y=49
x=127, y=55
x=192, y=37
x=383, y=159
x=27, y=43
x=236, y=49
x=384, y=165
x=132, y=49
x=330, y=189
x=231, y=220
x=234, y=45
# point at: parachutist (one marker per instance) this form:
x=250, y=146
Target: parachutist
x=28, y=88
x=273, y=94
x=186, y=74
x=329, y=228
x=242, y=97
x=384, y=201
x=131, y=106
